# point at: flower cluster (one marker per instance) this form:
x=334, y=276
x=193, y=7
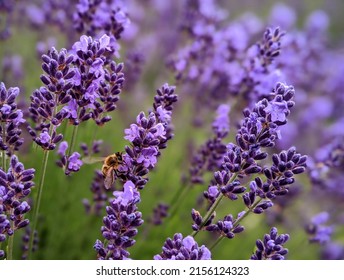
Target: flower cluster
x=317, y=231
x=180, y=248
x=227, y=227
x=98, y=80
x=223, y=63
x=120, y=224
x=10, y=118
x=55, y=13
x=221, y=59
x=148, y=136
x=325, y=172
x=15, y=185
x=70, y=163
x=210, y=155
x=258, y=130
x=81, y=84
x=46, y=108
x=261, y=71
x=271, y=247
x=6, y=10
x=97, y=17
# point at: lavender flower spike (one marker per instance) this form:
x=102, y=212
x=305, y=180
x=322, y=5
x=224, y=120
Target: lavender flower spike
x=271, y=248
x=120, y=224
x=15, y=185
x=10, y=119
x=180, y=248
x=148, y=136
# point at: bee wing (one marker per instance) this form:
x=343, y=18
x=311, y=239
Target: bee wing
x=109, y=179
x=91, y=160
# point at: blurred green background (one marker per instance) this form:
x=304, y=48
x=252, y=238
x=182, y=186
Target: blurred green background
x=66, y=232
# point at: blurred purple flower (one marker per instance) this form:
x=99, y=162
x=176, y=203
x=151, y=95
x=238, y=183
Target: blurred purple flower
x=62, y=148
x=95, y=18
x=317, y=231
x=283, y=16
x=221, y=122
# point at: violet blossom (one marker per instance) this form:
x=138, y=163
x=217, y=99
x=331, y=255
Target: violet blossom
x=259, y=130
x=10, y=118
x=120, y=224
x=180, y=248
x=271, y=247
x=15, y=186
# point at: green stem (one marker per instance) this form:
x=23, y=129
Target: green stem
x=94, y=134
x=178, y=199
x=73, y=139
x=38, y=200
x=209, y=213
x=40, y=187
x=10, y=242
x=212, y=208
x=218, y=240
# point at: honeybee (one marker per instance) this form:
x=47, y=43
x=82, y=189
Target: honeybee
x=110, y=167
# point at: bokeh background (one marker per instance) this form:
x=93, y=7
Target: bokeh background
x=66, y=231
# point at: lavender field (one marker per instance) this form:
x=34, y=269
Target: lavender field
x=189, y=129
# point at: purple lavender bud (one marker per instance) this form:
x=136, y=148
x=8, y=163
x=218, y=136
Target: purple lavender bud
x=15, y=186
x=148, y=136
x=253, y=169
x=196, y=217
x=182, y=249
x=11, y=118
x=99, y=17
x=271, y=247
x=120, y=224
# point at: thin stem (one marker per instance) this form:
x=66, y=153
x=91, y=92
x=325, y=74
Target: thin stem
x=178, y=199
x=38, y=200
x=209, y=213
x=10, y=241
x=40, y=187
x=72, y=141
x=218, y=240
x=213, y=208
x=94, y=134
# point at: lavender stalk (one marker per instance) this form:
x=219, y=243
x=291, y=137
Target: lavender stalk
x=259, y=130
